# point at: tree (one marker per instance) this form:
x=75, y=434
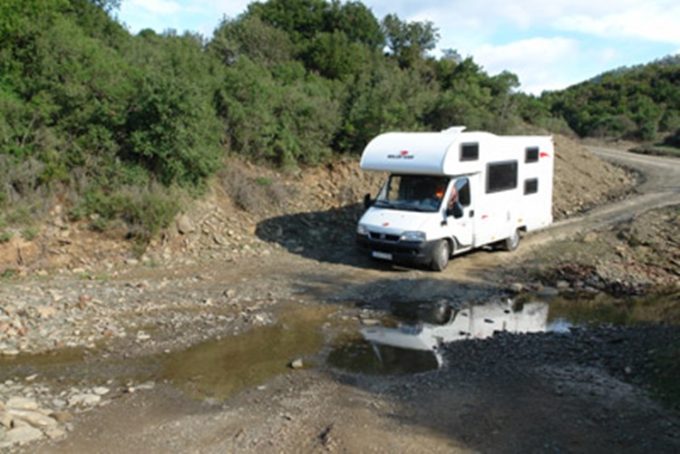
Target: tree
x=409, y=41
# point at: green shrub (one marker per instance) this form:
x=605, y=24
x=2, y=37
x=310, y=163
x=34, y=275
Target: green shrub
x=29, y=233
x=145, y=211
x=5, y=236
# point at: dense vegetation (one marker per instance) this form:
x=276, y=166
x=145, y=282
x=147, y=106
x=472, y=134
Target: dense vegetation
x=122, y=127
x=632, y=103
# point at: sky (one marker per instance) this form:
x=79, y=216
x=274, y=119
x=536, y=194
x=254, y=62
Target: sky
x=549, y=44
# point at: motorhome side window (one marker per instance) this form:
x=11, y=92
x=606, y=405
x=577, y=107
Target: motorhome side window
x=501, y=176
x=531, y=154
x=531, y=186
x=469, y=152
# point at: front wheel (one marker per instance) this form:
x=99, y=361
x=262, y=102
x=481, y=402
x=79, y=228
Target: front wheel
x=511, y=243
x=441, y=255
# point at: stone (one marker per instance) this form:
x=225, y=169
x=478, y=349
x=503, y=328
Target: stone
x=562, y=285
x=21, y=403
x=100, y=390
x=83, y=400
x=23, y=435
x=46, y=311
x=516, y=287
x=590, y=237
x=55, y=433
x=5, y=420
x=34, y=418
x=547, y=292
x=297, y=363
x=370, y=322
x=185, y=225
x=146, y=386
x=62, y=416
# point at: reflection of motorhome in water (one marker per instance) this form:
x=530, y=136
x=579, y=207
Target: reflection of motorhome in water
x=472, y=322
x=453, y=191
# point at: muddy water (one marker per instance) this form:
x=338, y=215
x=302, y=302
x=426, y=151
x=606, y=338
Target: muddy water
x=217, y=369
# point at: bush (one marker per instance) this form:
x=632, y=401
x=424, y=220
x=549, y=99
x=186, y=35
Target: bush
x=674, y=139
x=172, y=129
x=145, y=211
x=255, y=195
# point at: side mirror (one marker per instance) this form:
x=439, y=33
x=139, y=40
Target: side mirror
x=456, y=211
x=367, y=201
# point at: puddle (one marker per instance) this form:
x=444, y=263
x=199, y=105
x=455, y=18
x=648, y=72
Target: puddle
x=602, y=308
x=416, y=346
x=359, y=356
x=217, y=369
x=409, y=342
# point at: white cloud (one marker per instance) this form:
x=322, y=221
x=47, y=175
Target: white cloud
x=539, y=62
x=654, y=20
x=651, y=22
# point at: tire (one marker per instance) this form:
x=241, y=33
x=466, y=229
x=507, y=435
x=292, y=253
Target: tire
x=435, y=313
x=440, y=256
x=512, y=242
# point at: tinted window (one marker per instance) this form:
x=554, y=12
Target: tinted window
x=531, y=186
x=501, y=176
x=531, y=154
x=469, y=152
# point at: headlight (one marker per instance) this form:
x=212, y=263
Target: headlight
x=362, y=230
x=412, y=236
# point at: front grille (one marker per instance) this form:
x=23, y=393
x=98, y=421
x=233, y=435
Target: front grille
x=383, y=236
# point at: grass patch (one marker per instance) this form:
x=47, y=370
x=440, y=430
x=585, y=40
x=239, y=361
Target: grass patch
x=5, y=236
x=29, y=233
x=8, y=273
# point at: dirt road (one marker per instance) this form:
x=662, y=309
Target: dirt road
x=550, y=391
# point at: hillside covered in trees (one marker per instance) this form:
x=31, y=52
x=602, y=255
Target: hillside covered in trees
x=122, y=127
x=632, y=103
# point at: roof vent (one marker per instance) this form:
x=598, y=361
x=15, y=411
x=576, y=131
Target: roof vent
x=454, y=130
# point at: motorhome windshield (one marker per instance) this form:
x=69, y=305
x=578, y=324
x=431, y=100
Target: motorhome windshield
x=413, y=193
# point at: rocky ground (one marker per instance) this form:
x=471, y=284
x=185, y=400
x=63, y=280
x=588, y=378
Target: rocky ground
x=109, y=324
x=635, y=257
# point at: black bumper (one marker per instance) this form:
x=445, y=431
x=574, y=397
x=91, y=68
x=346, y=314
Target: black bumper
x=408, y=252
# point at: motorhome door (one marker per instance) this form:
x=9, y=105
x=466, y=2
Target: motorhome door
x=459, y=210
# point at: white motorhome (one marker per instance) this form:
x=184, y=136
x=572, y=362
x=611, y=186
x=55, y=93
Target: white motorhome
x=453, y=191
x=473, y=322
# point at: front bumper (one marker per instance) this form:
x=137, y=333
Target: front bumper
x=408, y=252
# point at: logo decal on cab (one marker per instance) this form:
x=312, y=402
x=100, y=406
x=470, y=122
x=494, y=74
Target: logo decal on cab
x=403, y=154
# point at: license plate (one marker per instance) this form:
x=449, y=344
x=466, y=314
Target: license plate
x=382, y=255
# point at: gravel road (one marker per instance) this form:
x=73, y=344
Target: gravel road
x=585, y=391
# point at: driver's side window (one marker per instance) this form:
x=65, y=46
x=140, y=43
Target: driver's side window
x=463, y=189
x=459, y=198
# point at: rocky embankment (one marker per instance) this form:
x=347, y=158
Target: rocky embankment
x=250, y=211
x=632, y=258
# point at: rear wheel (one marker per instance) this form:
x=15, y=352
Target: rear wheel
x=441, y=255
x=511, y=243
